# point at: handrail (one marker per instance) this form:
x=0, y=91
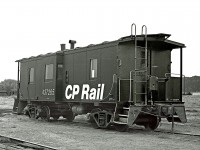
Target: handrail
x=146, y=56
x=173, y=74
x=133, y=24
x=144, y=26
x=112, y=86
x=130, y=95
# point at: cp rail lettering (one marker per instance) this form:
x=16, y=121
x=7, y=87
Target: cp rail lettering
x=86, y=92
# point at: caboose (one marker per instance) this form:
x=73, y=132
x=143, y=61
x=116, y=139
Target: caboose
x=119, y=83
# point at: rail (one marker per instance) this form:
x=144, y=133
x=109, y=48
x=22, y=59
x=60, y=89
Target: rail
x=9, y=143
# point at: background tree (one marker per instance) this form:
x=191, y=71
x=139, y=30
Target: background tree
x=9, y=85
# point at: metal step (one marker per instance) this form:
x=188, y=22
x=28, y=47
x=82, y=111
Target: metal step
x=122, y=115
x=127, y=108
x=119, y=122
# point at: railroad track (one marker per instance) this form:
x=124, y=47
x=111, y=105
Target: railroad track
x=165, y=132
x=179, y=133
x=9, y=143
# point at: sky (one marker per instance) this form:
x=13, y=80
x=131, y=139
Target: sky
x=33, y=27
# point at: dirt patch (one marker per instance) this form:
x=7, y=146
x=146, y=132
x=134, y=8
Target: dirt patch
x=80, y=134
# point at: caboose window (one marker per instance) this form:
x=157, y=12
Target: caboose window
x=31, y=75
x=93, y=68
x=49, y=72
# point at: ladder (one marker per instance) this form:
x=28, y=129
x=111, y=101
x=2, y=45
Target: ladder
x=125, y=113
x=140, y=69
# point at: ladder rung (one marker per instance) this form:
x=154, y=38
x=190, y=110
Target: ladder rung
x=140, y=47
x=138, y=75
x=141, y=58
x=140, y=81
x=140, y=93
x=139, y=70
x=126, y=108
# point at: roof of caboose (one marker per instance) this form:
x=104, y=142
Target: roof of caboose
x=40, y=56
x=159, y=40
x=155, y=40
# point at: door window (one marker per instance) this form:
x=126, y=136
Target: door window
x=31, y=75
x=93, y=68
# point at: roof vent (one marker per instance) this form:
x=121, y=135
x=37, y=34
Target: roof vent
x=72, y=44
x=62, y=47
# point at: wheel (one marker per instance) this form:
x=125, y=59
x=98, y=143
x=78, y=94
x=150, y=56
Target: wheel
x=56, y=117
x=94, y=124
x=55, y=114
x=45, y=113
x=153, y=123
x=121, y=127
x=69, y=115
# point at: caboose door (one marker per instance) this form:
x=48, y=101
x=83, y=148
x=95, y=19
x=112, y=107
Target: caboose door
x=125, y=67
x=31, y=82
x=160, y=65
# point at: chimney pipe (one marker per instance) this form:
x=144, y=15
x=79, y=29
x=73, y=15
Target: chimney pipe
x=62, y=47
x=72, y=43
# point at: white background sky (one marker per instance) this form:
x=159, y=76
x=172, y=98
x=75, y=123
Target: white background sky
x=33, y=27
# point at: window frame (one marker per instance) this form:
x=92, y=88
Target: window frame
x=31, y=78
x=47, y=72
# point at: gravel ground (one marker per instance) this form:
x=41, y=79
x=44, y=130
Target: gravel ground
x=80, y=135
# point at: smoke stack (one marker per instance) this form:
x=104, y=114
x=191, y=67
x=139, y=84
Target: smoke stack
x=72, y=44
x=62, y=47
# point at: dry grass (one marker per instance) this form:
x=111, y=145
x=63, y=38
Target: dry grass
x=79, y=135
x=6, y=102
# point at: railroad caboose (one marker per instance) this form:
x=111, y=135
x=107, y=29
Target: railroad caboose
x=120, y=83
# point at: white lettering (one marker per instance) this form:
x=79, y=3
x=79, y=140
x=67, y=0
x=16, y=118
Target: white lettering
x=93, y=94
x=102, y=91
x=75, y=91
x=48, y=92
x=68, y=96
x=98, y=91
x=85, y=91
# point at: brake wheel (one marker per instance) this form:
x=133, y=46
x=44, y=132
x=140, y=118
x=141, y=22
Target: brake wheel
x=69, y=115
x=153, y=123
